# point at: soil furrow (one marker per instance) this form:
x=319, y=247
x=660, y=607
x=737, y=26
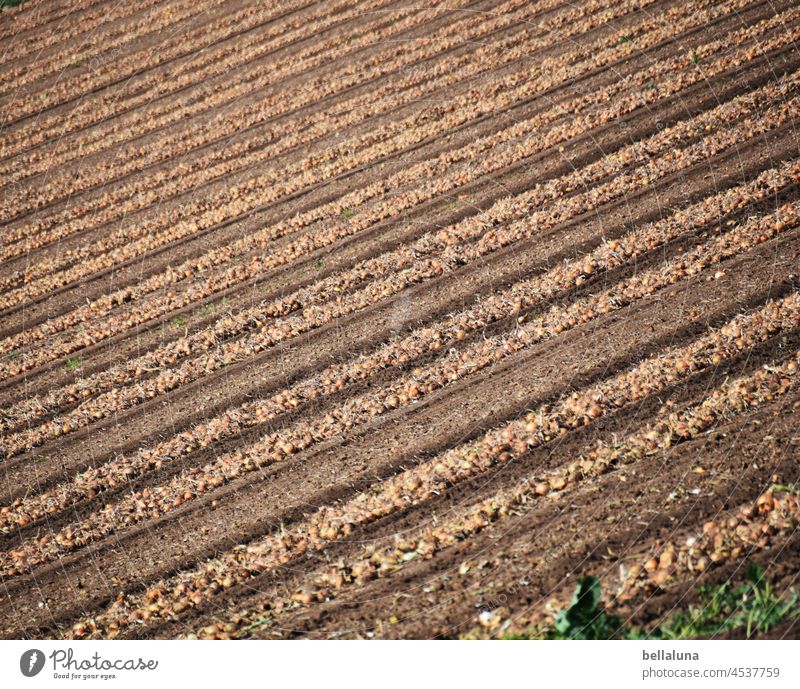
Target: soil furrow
x=520, y=385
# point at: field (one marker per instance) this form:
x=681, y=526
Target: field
x=379, y=319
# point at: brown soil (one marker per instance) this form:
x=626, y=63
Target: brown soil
x=510, y=572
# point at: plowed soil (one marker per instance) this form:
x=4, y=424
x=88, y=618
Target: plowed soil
x=382, y=319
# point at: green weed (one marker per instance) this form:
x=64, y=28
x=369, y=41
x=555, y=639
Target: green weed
x=585, y=618
x=753, y=607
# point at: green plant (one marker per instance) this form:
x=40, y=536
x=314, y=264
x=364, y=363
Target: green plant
x=753, y=606
x=585, y=618
x=73, y=364
x=785, y=488
x=178, y=321
x=695, y=57
x=319, y=263
x=625, y=39
x=348, y=213
x=10, y=3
